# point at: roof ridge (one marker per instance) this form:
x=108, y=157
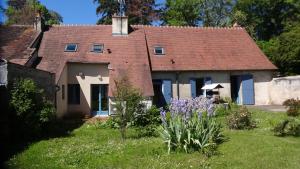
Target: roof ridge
x=191, y=27
x=76, y=25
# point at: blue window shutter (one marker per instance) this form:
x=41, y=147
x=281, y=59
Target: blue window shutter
x=247, y=89
x=167, y=90
x=193, y=87
x=207, y=80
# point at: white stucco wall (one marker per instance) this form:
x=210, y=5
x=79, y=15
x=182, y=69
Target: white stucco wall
x=62, y=104
x=284, y=88
x=92, y=74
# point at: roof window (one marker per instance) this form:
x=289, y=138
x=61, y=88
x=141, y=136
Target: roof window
x=158, y=50
x=98, y=48
x=71, y=47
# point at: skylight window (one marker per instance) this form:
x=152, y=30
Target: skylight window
x=159, y=50
x=71, y=47
x=98, y=48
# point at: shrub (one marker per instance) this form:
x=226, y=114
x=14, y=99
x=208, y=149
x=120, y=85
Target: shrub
x=288, y=127
x=128, y=101
x=293, y=106
x=32, y=110
x=240, y=119
x=189, y=127
x=147, y=121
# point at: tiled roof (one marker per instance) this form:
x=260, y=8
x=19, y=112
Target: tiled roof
x=15, y=42
x=204, y=48
x=127, y=54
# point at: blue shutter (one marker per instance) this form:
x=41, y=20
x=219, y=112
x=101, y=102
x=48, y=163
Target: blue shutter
x=247, y=89
x=193, y=87
x=167, y=90
x=207, y=80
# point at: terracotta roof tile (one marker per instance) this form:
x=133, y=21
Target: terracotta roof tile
x=193, y=48
x=186, y=49
x=127, y=53
x=15, y=43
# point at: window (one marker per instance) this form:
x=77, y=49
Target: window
x=98, y=48
x=73, y=94
x=159, y=50
x=71, y=47
x=63, y=92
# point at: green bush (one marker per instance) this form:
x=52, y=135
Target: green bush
x=31, y=108
x=240, y=119
x=196, y=134
x=293, y=106
x=146, y=122
x=288, y=127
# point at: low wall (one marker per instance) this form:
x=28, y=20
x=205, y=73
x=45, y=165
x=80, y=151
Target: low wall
x=43, y=79
x=284, y=88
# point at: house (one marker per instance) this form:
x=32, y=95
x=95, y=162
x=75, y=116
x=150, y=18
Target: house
x=163, y=62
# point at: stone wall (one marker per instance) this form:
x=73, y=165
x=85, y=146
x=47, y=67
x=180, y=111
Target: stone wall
x=43, y=79
x=284, y=88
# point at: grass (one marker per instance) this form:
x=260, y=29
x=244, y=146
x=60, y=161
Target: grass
x=93, y=147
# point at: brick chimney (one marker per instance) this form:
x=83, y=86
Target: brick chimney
x=119, y=25
x=39, y=23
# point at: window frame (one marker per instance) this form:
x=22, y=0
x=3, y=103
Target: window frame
x=66, y=47
x=72, y=91
x=95, y=44
x=162, y=49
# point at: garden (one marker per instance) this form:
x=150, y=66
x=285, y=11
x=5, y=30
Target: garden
x=188, y=133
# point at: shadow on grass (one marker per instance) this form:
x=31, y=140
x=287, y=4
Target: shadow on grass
x=18, y=141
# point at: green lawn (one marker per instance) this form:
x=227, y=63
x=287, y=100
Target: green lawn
x=91, y=147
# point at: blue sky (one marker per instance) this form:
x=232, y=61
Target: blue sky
x=75, y=11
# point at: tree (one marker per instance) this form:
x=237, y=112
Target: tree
x=24, y=12
x=216, y=12
x=267, y=18
x=284, y=51
x=181, y=12
x=197, y=12
x=138, y=11
x=127, y=100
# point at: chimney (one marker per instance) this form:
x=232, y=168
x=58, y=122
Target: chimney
x=39, y=22
x=119, y=25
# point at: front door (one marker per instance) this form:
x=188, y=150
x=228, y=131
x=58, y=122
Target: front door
x=99, y=99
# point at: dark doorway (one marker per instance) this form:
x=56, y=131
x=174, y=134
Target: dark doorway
x=158, y=98
x=235, y=83
x=199, y=85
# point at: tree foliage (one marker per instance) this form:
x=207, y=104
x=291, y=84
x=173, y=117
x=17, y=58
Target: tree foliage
x=24, y=12
x=197, y=12
x=284, y=51
x=138, y=11
x=30, y=106
x=181, y=12
x=266, y=18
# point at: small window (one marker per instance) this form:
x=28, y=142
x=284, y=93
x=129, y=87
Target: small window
x=98, y=48
x=71, y=47
x=74, y=94
x=159, y=50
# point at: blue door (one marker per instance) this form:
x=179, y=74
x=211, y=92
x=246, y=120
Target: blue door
x=167, y=90
x=247, y=89
x=193, y=87
x=99, y=99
